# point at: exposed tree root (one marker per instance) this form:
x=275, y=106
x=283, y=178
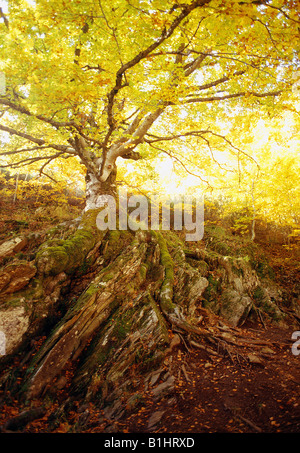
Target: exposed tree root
x=118, y=330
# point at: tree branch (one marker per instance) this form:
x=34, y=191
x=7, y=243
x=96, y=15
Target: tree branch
x=232, y=96
x=191, y=67
x=166, y=33
x=133, y=155
x=38, y=141
x=284, y=13
x=234, y=147
x=200, y=134
x=174, y=137
x=25, y=111
x=217, y=82
x=32, y=160
x=4, y=18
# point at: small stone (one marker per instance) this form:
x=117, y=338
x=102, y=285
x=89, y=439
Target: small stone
x=163, y=388
x=155, y=418
x=8, y=247
x=253, y=358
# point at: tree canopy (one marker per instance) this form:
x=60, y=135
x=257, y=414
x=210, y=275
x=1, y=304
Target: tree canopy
x=142, y=79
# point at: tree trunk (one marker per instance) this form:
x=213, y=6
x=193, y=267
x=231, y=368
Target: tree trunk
x=95, y=188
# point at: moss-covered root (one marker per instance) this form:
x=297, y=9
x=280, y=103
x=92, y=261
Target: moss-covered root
x=171, y=310
x=109, y=290
x=133, y=341
x=166, y=292
x=67, y=255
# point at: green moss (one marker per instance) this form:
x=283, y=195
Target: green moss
x=262, y=268
x=67, y=255
x=222, y=248
x=166, y=259
x=172, y=239
x=215, y=231
x=211, y=299
x=258, y=294
x=88, y=221
x=166, y=293
x=143, y=271
x=114, y=235
x=115, y=244
x=122, y=325
x=200, y=265
x=106, y=277
x=264, y=303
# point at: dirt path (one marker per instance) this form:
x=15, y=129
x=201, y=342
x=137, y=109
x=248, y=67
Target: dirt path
x=215, y=395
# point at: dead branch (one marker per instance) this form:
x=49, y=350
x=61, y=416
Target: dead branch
x=204, y=348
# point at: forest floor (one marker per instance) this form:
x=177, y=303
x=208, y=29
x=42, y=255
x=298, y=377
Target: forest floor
x=211, y=394
x=218, y=396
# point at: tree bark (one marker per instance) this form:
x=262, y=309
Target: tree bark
x=96, y=188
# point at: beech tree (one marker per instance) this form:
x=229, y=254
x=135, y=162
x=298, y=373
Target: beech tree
x=129, y=79
x=98, y=81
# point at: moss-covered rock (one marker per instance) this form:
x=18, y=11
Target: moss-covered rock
x=235, y=306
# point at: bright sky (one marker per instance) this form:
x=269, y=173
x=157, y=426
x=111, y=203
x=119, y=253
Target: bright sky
x=4, y=6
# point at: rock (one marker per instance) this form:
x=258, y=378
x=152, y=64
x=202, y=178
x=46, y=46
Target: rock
x=189, y=288
x=163, y=388
x=155, y=419
x=14, y=323
x=12, y=246
x=16, y=276
x=235, y=306
x=238, y=284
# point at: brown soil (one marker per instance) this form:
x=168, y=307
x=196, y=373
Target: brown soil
x=218, y=395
